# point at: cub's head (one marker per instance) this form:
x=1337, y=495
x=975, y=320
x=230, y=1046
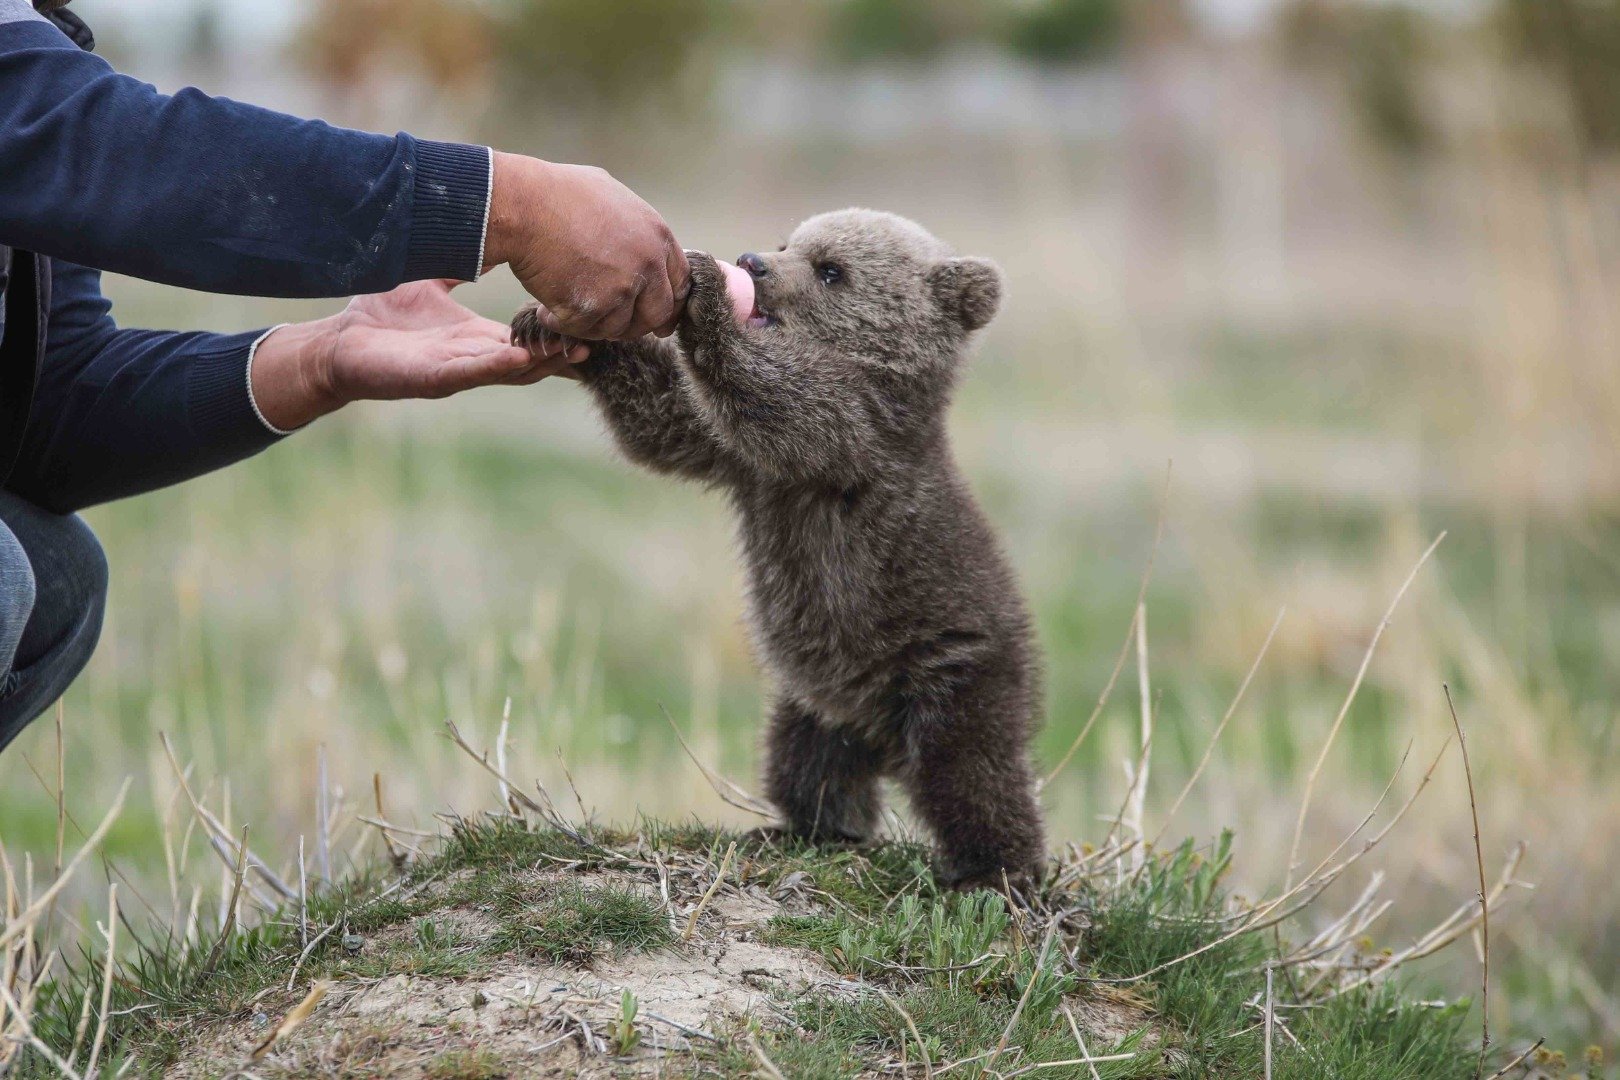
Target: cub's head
x=871, y=286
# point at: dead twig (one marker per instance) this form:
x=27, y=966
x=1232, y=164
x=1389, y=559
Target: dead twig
x=20, y=1019
x=1449, y=930
x=927, y=1062
x=500, y=753
x=548, y=811
x=764, y=1059
x=230, y=914
x=1029, y=988
x=1074, y=1029
x=684, y=1029
x=584, y=815
x=323, y=816
x=1516, y=1062
x=1344, y=710
x=725, y=863
x=303, y=897
x=1264, y=916
x=1484, y=905
x=293, y=1020
x=218, y=833
x=395, y=857
x=106, y=980
x=730, y=792
x=1209, y=750
x=24, y=920
x=1271, y=1018
x=1139, y=780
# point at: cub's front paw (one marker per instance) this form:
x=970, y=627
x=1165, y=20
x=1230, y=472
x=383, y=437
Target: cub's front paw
x=530, y=332
x=708, y=309
x=527, y=329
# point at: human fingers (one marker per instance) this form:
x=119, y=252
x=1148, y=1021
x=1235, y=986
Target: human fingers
x=619, y=321
x=655, y=310
x=534, y=373
x=468, y=371
x=579, y=321
x=679, y=276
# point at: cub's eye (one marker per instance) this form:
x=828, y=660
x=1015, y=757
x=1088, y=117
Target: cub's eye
x=830, y=273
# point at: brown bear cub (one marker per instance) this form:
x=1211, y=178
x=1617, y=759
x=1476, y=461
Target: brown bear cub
x=882, y=604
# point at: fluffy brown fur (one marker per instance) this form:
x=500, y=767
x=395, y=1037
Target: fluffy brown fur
x=882, y=603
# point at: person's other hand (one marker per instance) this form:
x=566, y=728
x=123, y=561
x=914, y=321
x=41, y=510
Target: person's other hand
x=601, y=261
x=413, y=342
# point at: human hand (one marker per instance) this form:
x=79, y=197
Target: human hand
x=413, y=342
x=600, y=260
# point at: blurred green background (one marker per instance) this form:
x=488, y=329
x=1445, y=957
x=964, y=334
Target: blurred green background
x=1351, y=267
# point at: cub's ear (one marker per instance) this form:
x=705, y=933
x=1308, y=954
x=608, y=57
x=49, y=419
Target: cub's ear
x=969, y=290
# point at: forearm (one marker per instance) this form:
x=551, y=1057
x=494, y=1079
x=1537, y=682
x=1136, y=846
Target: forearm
x=101, y=169
x=638, y=388
x=137, y=410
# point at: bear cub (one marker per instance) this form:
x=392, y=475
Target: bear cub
x=881, y=602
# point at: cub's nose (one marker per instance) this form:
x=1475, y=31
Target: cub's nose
x=753, y=264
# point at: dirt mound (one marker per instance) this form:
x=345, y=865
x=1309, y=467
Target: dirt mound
x=523, y=1015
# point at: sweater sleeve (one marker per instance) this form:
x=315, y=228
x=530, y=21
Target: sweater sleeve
x=119, y=412
x=100, y=169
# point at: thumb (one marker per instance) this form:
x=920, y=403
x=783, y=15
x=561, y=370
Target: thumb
x=478, y=369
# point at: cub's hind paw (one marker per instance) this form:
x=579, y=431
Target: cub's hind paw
x=1021, y=881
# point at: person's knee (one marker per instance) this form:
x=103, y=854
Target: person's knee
x=54, y=597
x=17, y=593
x=70, y=592
x=88, y=573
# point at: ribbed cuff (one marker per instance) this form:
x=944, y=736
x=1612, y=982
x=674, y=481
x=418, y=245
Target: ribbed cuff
x=450, y=211
x=223, y=415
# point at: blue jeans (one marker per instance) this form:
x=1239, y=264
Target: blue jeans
x=53, y=589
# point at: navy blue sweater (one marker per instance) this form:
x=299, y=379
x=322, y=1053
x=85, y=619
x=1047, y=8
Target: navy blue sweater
x=98, y=170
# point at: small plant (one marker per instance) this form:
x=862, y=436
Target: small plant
x=942, y=939
x=465, y=1065
x=624, y=1035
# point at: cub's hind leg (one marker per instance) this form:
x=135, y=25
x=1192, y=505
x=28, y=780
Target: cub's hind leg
x=969, y=778
x=823, y=780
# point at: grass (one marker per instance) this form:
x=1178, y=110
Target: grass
x=1203, y=1010
x=940, y=977
x=574, y=924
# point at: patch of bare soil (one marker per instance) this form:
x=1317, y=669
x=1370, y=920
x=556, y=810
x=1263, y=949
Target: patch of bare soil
x=515, y=1016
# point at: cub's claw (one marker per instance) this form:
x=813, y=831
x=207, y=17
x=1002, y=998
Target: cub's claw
x=527, y=330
